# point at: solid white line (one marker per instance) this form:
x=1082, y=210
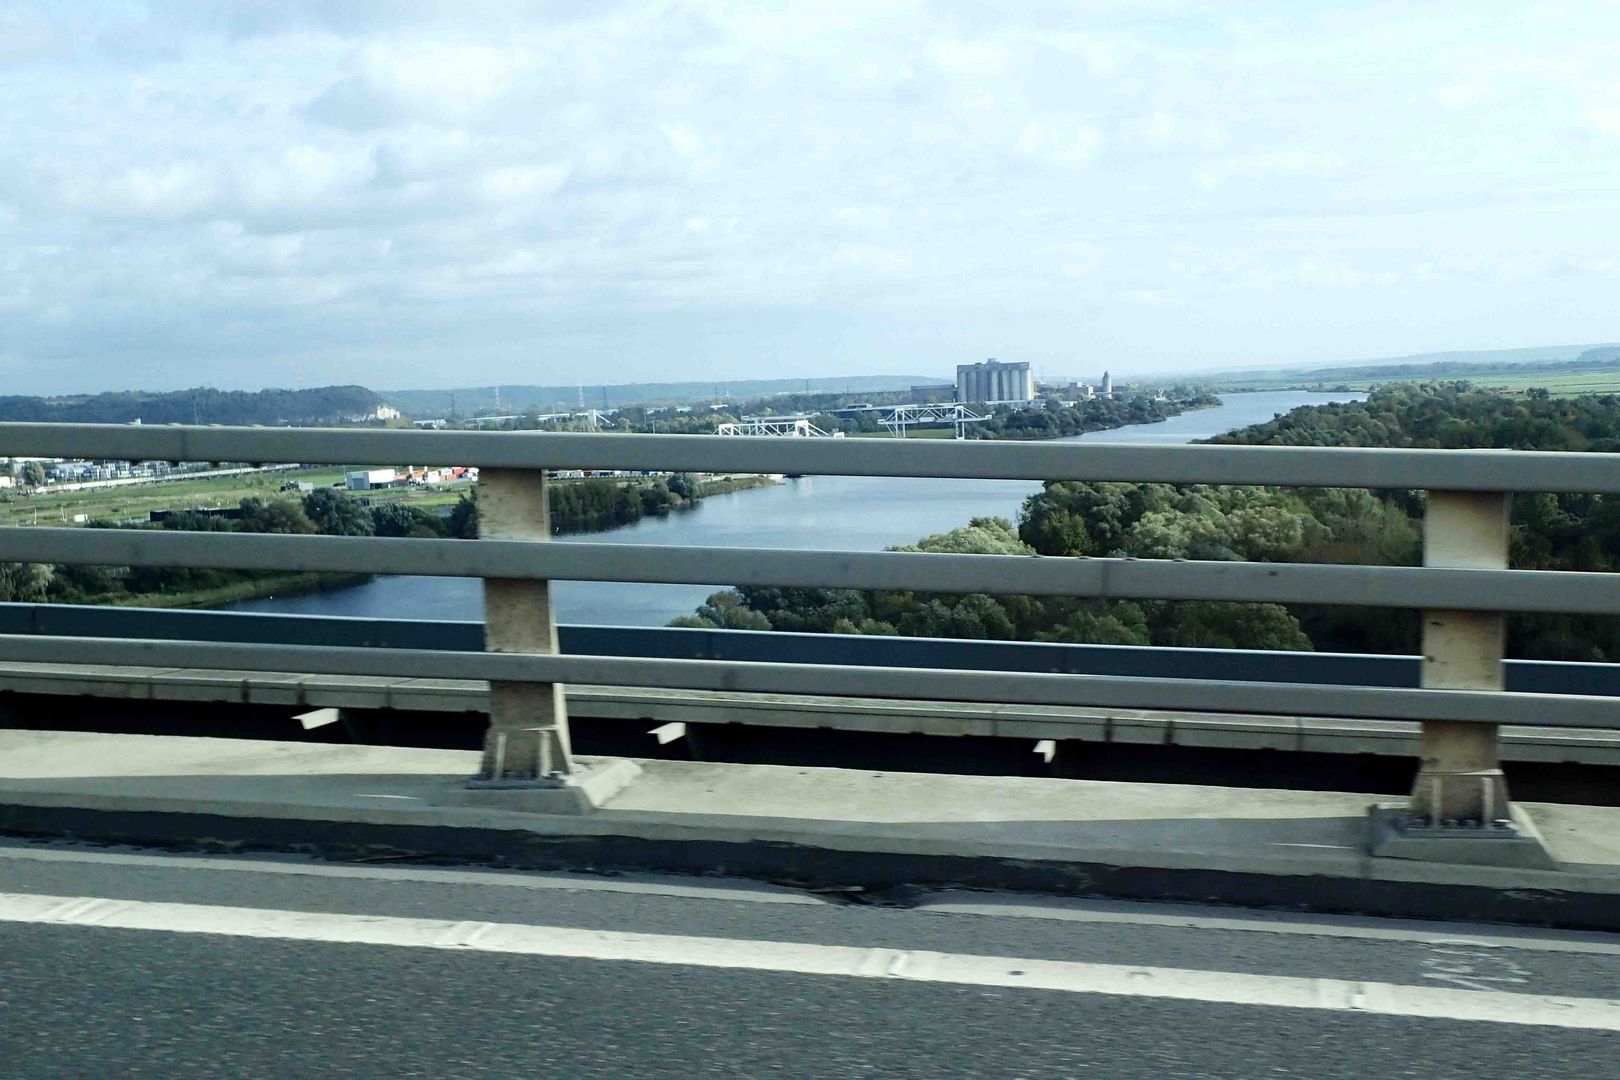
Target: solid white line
x=1171, y=916
x=1065, y=909
x=1232, y=988
x=637, y=884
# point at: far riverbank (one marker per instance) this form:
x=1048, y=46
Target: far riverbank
x=852, y=513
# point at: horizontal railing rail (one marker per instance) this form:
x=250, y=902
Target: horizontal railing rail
x=1109, y=579
x=1292, y=466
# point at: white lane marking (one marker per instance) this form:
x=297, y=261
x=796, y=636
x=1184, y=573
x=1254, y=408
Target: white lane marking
x=639, y=884
x=1065, y=909
x=1222, y=987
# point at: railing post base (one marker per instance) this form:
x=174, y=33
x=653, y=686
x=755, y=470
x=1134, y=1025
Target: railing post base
x=581, y=792
x=1512, y=841
x=1460, y=778
x=532, y=746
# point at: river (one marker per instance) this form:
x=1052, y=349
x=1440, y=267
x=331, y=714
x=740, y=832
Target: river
x=862, y=513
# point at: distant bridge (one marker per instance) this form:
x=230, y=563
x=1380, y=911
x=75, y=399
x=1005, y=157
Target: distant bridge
x=954, y=413
x=780, y=426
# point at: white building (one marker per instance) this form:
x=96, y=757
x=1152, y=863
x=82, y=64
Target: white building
x=367, y=479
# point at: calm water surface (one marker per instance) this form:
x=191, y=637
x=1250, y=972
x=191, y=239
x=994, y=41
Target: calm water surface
x=862, y=513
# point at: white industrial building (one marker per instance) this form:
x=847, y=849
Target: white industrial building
x=994, y=381
x=369, y=479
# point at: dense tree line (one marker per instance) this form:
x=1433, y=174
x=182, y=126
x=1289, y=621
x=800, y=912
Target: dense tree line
x=576, y=506
x=1054, y=420
x=324, y=404
x=1159, y=521
x=1451, y=415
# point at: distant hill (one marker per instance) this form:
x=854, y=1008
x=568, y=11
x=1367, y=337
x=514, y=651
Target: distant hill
x=471, y=399
x=204, y=405
x=1603, y=354
x=1542, y=360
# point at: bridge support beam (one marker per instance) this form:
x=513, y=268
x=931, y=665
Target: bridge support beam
x=1460, y=778
x=527, y=741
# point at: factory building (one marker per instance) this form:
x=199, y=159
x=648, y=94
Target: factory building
x=994, y=381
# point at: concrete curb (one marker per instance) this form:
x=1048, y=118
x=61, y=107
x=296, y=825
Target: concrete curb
x=875, y=865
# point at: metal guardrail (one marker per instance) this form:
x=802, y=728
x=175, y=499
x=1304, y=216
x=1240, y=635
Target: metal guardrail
x=770, y=646
x=1464, y=586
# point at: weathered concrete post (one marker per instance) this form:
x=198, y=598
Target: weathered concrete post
x=1460, y=778
x=527, y=740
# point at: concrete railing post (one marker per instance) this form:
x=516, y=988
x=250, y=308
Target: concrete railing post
x=527, y=741
x=1460, y=779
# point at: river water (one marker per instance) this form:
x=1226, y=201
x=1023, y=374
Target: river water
x=859, y=513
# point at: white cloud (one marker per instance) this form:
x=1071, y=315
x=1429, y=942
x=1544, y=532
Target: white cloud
x=522, y=181
x=869, y=257
x=426, y=81
x=170, y=190
x=685, y=141
x=1604, y=119
x=1065, y=144
x=969, y=59
x=1460, y=96
x=25, y=32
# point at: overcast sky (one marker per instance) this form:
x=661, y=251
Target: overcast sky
x=441, y=194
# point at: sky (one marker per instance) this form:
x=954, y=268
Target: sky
x=426, y=194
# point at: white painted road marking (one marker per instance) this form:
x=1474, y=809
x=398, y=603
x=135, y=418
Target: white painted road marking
x=1023, y=906
x=1220, y=987
x=638, y=884
x=1187, y=917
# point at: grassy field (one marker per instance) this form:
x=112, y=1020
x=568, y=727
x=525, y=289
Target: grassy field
x=135, y=502
x=1580, y=382
x=1561, y=383
x=911, y=433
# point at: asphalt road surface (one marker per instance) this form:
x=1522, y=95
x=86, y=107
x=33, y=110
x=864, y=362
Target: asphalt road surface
x=116, y=962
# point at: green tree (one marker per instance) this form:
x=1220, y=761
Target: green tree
x=463, y=520
x=26, y=583
x=32, y=474
x=399, y=519
x=981, y=536
x=724, y=611
x=1229, y=626
x=337, y=513
x=684, y=485
x=273, y=516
